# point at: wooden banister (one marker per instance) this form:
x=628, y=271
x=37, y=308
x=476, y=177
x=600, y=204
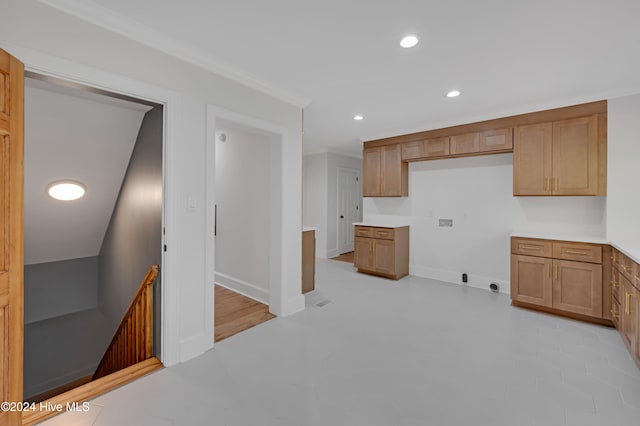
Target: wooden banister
x=133, y=340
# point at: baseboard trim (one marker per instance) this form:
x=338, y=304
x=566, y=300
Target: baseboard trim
x=244, y=288
x=91, y=390
x=454, y=277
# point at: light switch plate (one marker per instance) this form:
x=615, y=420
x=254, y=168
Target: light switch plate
x=448, y=223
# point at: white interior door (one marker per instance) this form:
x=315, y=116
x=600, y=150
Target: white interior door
x=349, y=207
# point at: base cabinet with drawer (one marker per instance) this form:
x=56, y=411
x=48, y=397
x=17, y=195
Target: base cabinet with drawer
x=562, y=276
x=382, y=251
x=625, y=288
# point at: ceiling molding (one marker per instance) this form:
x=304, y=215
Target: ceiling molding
x=534, y=107
x=123, y=25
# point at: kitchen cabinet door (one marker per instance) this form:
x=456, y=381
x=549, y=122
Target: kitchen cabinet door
x=531, y=280
x=577, y=287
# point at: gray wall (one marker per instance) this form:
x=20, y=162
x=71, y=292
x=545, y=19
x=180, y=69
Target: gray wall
x=63, y=349
x=133, y=239
x=53, y=289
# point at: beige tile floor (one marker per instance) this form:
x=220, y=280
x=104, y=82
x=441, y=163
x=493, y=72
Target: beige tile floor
x=413, y=352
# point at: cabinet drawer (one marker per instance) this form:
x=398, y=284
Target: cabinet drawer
x=363, y=231
x=531, y=247
x=383, y=233
x=581, y=252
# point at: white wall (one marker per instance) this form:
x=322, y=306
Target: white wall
x=476, y=192
x=243, y=191
x=84, y=52
x=623, y=170
x=334, y=161
x=315, y=199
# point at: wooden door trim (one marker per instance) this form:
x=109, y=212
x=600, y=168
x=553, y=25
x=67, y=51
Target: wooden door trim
x=91, y=390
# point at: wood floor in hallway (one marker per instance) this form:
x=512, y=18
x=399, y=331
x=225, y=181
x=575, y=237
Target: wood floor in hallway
x=346, y=257
x=235, y=313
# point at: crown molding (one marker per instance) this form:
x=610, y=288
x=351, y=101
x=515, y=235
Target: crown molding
x=123, y=25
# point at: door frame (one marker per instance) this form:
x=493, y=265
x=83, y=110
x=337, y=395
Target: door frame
x=279, y=302
x=62, y=69
x=359, y=175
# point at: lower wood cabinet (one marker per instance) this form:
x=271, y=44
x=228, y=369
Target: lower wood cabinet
x=308, y=261
x=592, y=282
x=625, y=281
x=382, y=251
x=545, y=274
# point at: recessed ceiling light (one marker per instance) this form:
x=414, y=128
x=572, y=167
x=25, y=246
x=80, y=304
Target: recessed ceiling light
x=66, y=190
x=409, y=41
x=358, y=117
x=453, y=94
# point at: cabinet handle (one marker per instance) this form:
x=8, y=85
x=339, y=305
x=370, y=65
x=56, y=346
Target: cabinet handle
x=557, y=183
x=547, y=184
x=627, y=303
x=549, y=270
x=615, y=284
x=613, y=314
x=556, y=272
x=525, y=247
x=572, y=251
x=626, y=268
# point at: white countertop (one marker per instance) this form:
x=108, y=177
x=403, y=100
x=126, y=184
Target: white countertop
x=309, y=228
x=630, y=248
x=381, y=224
x=561, y=237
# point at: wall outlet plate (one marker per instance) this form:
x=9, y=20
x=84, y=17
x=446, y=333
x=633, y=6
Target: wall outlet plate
x=445, y=223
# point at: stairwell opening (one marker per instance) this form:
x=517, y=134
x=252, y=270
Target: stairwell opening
x=85, y=259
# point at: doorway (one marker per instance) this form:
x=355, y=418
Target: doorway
x=349, y=208
x=85, y=259
x=244, y=158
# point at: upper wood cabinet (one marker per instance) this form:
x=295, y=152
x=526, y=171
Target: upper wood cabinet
x=383, y=172
x=496, y=140
x=427, y=148
x=565, y=157
x=482, y=142
x=465, y=144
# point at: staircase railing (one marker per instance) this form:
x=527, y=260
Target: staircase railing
x=133, y=340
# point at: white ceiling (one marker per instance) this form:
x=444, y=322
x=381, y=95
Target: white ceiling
x=71, y=134
x=506, y=56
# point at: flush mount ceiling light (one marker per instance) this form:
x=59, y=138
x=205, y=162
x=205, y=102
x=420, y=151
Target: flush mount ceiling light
x=358, y=117
x=66, y=190
x=453, y=94
x=408, y=41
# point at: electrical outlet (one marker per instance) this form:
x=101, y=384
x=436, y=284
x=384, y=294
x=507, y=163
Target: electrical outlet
x=447, y=223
